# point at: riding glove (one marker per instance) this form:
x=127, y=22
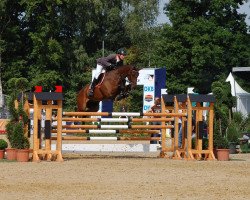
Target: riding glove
x=112, y=66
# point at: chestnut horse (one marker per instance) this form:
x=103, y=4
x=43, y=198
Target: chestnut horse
x=109, y=88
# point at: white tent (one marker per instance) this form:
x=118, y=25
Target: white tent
x=243, y=97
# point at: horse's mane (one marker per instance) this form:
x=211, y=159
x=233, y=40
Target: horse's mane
x=127, y=66
x=122, y=70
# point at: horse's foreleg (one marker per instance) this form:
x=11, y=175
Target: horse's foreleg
x=82, y=100
x=122, y=86
x=85, y=101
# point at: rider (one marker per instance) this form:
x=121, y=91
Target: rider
x=109, y=62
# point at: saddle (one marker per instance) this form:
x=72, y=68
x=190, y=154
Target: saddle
x=100, y=79
x=122, y=88
x=102, y=76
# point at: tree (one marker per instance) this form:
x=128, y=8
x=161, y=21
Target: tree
x=206, y=39
x=58, y=42
x=12, y=37
x=140, y=24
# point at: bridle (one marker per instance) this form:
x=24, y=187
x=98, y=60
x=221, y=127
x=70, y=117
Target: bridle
x=132, y=74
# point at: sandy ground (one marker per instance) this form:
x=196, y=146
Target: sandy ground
x=126, y=176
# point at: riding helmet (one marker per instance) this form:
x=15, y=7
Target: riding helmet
x=122, y=51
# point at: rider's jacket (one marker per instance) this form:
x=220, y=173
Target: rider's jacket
x=107, y=61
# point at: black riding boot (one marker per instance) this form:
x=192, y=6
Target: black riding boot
x=92, y=87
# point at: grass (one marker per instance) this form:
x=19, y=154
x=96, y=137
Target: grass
x=245, y=148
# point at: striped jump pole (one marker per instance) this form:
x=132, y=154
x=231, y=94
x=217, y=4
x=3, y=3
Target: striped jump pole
x=118, y=126
x=97, y=131
x=126, y=114
x=70, y=119
x=107, y=138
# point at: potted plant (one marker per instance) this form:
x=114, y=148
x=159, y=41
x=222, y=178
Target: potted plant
x=23, y=144
x=3, y=146
x=19, y=118
x=222, y=148
x=11, y=129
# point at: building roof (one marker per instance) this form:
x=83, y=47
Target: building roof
x=235, y=87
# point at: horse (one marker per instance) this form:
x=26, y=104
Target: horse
x=108, y=88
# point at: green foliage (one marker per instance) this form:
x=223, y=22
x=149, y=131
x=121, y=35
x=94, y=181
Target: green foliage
x=48, y=80
x=3, y=144
x=58, y=42
x=238, y=118
x=136, y=99
x=19, y=118
x=133, y=102
x=246, y=124
x=245, y=148
x=204, y=143
x=203, y=41
x=233, y=133
x=242, y=78
x=223, y=105
x=70, y=102
x=220, y=142
x=15, y=130
x=243, y=122
x=223, y=143
x=11, y=107
x=22, y=83
x=15, y=134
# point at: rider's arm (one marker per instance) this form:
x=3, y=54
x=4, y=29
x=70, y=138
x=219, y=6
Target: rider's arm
x=107, y=61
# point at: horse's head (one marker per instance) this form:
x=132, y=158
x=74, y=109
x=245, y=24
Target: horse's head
x=132, y=76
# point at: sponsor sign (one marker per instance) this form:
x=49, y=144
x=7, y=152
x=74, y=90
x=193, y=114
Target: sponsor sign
x=146, y=77
x=146, y=107
x=149, y=88
x=148, y=98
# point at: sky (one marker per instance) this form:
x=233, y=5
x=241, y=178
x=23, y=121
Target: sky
x=245, y=8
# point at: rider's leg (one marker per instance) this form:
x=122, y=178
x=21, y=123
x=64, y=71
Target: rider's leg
x=91, y=87
x=94, y=82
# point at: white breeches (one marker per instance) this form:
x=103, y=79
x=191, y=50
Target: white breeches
x=98, y=71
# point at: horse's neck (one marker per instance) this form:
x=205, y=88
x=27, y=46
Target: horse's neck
x=123, y=71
